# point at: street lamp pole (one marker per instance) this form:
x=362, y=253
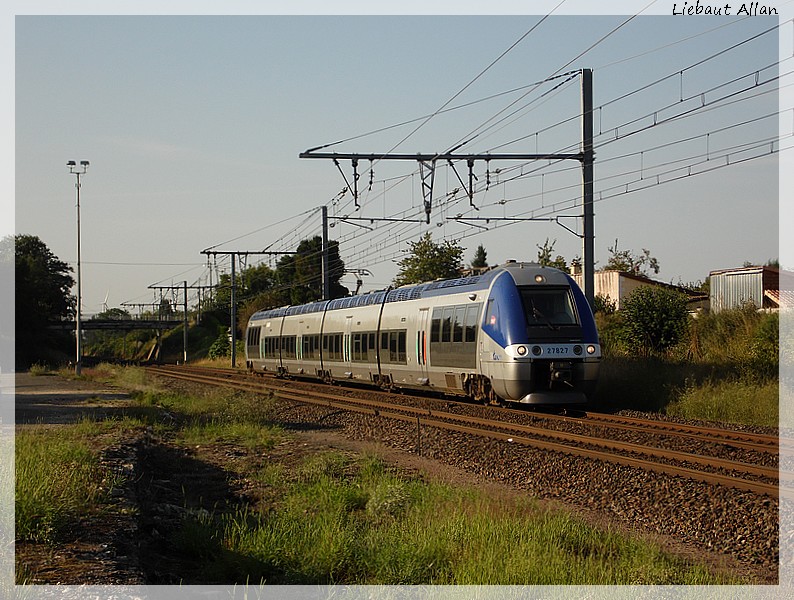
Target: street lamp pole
x=78, y=171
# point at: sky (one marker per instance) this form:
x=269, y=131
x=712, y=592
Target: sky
x=193, y=125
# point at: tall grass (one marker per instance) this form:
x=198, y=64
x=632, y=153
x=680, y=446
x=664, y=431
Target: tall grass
x=58, y=479
x=39, y=369
x=726, y=369
x=729, y=401
x=342, y=521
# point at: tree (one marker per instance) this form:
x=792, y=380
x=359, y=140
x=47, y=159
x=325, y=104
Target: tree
x=655, y=319
x=258, y=280
x=118, y=314
x=480, y=258
x=107, y=343
x=42, y=284
x=628, y=262
x=302, y=272
x=545, y=260
x=297, y=279
x=427, y=261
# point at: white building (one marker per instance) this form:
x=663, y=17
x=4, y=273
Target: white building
x=617, y=285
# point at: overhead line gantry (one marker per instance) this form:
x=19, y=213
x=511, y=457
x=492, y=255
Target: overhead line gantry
x=233, y=300
x=427, y=164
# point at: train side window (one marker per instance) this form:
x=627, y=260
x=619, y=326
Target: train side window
x=372, y=341
x=446, y=324
x=457, y=323
x=393, y=347
x=435, y=326
x=472, y=312
x=402, y=356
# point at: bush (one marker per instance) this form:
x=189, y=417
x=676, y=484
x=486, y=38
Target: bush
x=220, y=347
x=610, y=333
x=654, y=320
x=604, y=304
x=765, y=346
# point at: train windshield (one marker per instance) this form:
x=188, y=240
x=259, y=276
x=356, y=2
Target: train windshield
x=548, y=307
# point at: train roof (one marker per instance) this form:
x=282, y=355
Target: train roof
x=522, y=273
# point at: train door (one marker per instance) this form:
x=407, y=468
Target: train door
x=422, y=344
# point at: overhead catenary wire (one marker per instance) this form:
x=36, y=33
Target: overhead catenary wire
x=357, y=241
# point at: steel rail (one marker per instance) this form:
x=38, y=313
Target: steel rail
x=448, y=421
x=737, y=439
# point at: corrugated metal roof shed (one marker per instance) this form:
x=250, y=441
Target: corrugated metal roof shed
x=732, y=288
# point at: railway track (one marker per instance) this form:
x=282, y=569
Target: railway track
x=594, y=436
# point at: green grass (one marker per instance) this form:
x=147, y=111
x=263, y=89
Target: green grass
x=58, y=480
x=40, y=369
x=216, y=416
x=342, y=521
x=729, y=401
x=246, y=435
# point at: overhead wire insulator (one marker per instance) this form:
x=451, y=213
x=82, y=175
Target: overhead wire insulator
x=472, y=177
x=355, y=183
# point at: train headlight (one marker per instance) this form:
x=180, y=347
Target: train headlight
x=577, y=350
x=536, y=350
x=539, y=278
x=521, y=350
x=591, y=349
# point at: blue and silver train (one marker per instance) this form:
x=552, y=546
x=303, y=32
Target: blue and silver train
x=517, y=333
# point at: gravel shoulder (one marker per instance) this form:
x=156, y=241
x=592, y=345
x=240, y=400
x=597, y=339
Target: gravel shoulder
x=126, y=545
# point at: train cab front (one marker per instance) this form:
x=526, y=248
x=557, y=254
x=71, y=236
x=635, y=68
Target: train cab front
x=551, y=350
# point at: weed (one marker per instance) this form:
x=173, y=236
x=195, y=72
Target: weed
x=40, y=369
x=58, y=478
x=342, y=520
